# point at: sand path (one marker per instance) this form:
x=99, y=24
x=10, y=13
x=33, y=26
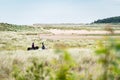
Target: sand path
x=76, y=34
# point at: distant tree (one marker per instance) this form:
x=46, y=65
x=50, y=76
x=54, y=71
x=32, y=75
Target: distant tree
x=109, y=20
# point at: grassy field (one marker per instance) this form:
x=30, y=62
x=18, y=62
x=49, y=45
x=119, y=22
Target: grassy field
x=70, y=54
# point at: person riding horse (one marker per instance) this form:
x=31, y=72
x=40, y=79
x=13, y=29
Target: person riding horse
x=33, y=45
x=43, y=46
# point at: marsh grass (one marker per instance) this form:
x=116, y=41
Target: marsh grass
x=23, y=60
x=76, y=61
x=22, y=40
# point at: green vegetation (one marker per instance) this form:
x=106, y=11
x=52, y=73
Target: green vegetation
x=43, y=71
x=109, y=20
x=16, y=28
x=109, y=57
x=42, y=27
x=66, y=68
x=37, y=71
x=77, y=26
x=64, y=59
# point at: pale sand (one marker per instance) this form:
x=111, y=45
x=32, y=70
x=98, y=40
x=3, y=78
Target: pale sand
x=57, y=31
x=56, y=34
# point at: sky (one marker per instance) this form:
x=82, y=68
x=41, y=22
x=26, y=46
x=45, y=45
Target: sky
x=27, y=12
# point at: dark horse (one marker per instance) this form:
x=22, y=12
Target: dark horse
x=31, y=48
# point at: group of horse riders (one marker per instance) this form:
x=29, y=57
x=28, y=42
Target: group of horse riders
x=33, y=47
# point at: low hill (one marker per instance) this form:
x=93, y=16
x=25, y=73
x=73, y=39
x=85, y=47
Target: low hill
x=13, y=27
x=109, y=20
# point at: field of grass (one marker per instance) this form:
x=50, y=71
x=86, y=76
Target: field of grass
x=64, y=59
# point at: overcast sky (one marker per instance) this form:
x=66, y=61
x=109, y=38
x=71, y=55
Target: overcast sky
x=57, y=11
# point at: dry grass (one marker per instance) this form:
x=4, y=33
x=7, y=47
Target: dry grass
x=84, y=58
x=13, y=51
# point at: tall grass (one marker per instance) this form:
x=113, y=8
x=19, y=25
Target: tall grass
x=76, y=61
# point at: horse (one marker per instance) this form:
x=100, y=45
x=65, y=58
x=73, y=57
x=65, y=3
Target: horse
x=34, y=48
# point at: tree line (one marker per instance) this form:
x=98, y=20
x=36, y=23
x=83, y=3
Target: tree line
x=109, y=20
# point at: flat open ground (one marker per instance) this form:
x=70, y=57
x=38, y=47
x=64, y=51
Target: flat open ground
x=56, y=34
